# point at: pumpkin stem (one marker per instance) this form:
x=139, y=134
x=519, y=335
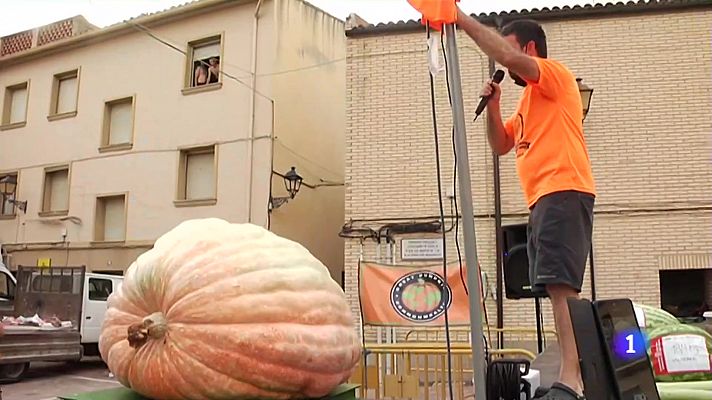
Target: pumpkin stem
x=154, y=326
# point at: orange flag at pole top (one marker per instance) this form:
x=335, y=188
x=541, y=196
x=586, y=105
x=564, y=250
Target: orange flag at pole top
x=436, y=12
x=413, y=295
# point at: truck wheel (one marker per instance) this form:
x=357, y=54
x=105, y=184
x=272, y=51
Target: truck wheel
x=13, y=372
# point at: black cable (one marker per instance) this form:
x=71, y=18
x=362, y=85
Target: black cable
x=543, y=334
x=442, y=221
x=504, y=381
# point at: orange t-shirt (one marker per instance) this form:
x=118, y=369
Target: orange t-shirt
x=547, y=129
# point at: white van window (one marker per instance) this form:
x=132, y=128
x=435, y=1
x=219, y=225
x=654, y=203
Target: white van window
x=4, y=287
x=100, y=289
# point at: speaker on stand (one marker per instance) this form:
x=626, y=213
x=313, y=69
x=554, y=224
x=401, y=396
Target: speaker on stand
x=516, y=273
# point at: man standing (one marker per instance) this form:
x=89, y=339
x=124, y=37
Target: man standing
x=554, y=169
x=546, y=133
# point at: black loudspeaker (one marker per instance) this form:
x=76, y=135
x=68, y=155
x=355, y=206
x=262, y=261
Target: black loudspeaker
x=516, y=263
x=598, y=378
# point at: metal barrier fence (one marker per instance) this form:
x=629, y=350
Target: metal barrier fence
x=511, y=337
x=420, y=370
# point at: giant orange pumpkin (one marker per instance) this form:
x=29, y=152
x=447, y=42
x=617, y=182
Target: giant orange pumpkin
x=228, y=311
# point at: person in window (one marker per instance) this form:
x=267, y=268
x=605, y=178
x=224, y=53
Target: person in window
x=214, y=70
x=201, y=75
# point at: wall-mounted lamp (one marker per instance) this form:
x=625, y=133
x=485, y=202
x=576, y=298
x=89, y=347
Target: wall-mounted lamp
x=292, y=183
x=586, y=94
x=8, y=186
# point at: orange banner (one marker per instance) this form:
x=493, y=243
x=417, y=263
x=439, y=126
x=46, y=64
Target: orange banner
x=399, y=295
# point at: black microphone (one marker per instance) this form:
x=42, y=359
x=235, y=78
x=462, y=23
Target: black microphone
x=496, y=78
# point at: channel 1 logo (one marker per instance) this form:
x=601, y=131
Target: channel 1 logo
x=629, y=344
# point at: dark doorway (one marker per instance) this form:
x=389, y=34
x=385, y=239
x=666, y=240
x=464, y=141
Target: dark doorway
x=685, y=293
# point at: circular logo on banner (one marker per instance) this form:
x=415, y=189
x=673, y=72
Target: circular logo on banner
x=420, y=296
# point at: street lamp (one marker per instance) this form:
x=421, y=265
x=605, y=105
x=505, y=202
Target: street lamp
x=8, y=186
x=586, y=94
x=292, y=183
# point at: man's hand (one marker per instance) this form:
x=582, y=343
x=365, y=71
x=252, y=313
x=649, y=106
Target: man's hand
x=493, y=89
x=499, y=141
x=436, y=12
x=495, y=46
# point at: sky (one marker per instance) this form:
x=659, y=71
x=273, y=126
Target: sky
x=19, y=15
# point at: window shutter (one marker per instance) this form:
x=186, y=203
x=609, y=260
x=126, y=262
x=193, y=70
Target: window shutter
x=59, y=190
x=120, y=123
x=114, y=221
x=19, y=105
x=200, y=176
x=67, y=97
x=206, y=51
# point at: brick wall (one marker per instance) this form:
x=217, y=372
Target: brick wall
x=648, y=134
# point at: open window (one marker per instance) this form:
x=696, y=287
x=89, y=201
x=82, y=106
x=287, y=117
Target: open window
x=686, y=293
x=7, y=208
x=203, y=69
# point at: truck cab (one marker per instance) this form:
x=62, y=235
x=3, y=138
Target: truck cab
x=97, y=288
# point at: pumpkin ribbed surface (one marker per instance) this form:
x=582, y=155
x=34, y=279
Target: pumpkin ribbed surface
x=228, y=311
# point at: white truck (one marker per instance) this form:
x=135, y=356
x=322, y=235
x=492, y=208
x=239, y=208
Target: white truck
x=66, y=293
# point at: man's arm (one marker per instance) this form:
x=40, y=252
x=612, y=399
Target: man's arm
x=499, y=141
x=495, y=46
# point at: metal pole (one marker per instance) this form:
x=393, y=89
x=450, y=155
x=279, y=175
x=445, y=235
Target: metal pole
x=468, y=218
x=498, y=221
x=498, y=234
x=539, y=328
x=593, y=272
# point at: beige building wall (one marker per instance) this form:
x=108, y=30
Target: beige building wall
x=647, y=133
x=309, y=83
x=165, y=120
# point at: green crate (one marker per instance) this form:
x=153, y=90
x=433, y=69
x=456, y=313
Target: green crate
x=343, y=392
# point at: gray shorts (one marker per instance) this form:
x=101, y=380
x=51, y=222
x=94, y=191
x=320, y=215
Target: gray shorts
x=559, y=239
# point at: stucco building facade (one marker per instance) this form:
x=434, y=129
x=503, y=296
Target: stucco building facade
x=116, y=135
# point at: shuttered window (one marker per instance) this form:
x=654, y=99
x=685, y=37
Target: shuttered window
x=65, y=92
x=110, y=224
x=197, y=176
x=15, y=105
x=56, y=190
x=118, y=123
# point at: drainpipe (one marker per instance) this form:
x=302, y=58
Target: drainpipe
x=253, y=80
